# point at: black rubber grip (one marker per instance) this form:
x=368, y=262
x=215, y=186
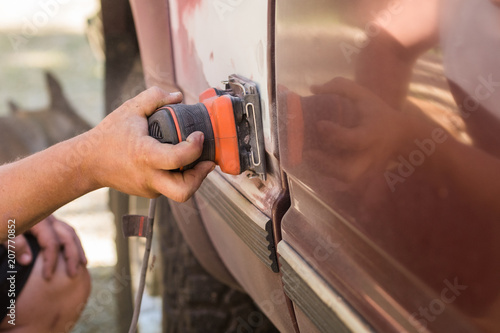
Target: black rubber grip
x=162, y=126
x=190, y=118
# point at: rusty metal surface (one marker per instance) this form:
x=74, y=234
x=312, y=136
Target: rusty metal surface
x=263, y=285
x=391, y=170
x=153, y=33
x=206, y=51
x=213, y=41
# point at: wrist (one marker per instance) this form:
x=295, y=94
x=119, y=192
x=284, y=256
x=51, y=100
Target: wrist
x=86, y=161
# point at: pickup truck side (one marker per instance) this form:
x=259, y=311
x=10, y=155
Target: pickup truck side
x=380, y=118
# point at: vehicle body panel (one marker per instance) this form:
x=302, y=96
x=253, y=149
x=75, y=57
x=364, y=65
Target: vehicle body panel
x=214, y=39
x=387, y=211
x=409, y=254
x=256, y=278
x=155, y=42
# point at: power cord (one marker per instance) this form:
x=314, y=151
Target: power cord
x=144, y=268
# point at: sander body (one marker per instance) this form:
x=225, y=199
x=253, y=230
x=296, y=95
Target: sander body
x=230, y=120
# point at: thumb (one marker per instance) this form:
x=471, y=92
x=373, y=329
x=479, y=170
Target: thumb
x=170, y=157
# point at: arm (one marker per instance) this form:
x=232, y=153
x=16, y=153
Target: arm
x=381, y=134
x=117, y=153
x=407, y=31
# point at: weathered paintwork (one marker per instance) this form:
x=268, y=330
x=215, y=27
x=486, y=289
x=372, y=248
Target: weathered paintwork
x=211, y=40
x=214, y=39
x=391, y=168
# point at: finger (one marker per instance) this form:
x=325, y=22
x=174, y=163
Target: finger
x=51, y=218
x=81, y=251
x=49, y=255
x=72, y=249
x=180, y=186
x=342, y=86
x=341, y=137
x=170, y=157
x=49, y=244
x=148, y=101
x=23, y=250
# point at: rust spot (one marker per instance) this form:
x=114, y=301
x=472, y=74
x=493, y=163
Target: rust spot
x=212, y=56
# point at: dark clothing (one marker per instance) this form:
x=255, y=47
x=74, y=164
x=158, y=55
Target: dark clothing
x=21, y=275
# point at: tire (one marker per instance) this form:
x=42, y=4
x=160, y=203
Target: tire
x=194, y=301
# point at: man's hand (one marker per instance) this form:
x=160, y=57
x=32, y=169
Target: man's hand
x=377, y=133
x=22, y=248
x=54, y=237
x=117, y=153
x=122, y=155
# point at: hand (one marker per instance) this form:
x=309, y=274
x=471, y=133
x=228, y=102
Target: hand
x=374, y=134
x=54, y=237
x=128, y=159
x=22, y=249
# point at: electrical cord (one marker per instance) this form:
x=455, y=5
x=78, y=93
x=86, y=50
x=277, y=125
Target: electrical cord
x=144, y=268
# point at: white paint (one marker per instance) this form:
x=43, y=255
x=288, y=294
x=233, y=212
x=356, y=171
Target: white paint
x=236, y=35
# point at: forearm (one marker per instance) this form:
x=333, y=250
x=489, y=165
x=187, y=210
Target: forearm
x=117, y=153
x=385, y=64
x=32, y=188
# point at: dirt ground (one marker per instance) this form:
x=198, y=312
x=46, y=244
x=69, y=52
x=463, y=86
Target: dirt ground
x=33, y=39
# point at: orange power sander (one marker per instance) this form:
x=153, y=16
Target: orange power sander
x=231, y=121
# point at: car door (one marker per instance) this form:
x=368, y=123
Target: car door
x=212, y=40
x=381, y=107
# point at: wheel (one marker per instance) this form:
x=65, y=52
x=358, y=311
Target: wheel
x=194, y=301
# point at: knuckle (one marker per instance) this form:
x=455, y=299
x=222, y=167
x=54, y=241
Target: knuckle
x=155, y=93
x=174, y=159
x=53, y=246
x=139, y=152
x=69, y=228
x=129, y=104
x=188, y=188
x=183, y=196
x=156, y=90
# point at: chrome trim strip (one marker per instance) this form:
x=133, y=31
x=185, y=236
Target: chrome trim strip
x=252, y=226
x=322, y=304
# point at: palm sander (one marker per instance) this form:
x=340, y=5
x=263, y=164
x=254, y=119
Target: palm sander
x=231, y=121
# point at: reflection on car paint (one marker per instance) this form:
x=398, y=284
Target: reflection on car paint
x=390, y=118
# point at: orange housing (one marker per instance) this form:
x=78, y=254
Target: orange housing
x=220, y=110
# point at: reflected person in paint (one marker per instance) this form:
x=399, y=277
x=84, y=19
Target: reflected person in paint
x=411, y=160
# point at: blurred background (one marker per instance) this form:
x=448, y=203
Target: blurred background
x=36, y=38
x=61, y=37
